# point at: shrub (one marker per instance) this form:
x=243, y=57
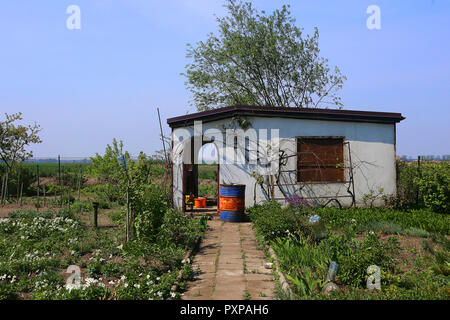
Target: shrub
x=270, y=220
x=407, y=189
x=149, y=210
x=353, y=263
x=426, y=185
x=180, y=229
x=434, y=186
x=82, y=206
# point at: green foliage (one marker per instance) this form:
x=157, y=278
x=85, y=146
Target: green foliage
x=260, y=59
x=15, y=138
x=297, y=253
x=37, y=247
x=207, y=171
x=407, y=189
x=179, y=228
x=425, y=185
x=270, y=221
x=207, y=190
x=27, y=177
x=353, y=241
x=354, y=262
x=150, y=207
x=7, y=292
x=29, y=214
x=82, y=206
x=434, y=185
x=363, y=218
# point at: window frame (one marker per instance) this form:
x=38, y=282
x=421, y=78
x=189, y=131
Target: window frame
x=297, y=162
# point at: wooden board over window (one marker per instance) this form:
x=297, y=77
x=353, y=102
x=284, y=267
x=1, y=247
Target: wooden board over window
x=320, y=160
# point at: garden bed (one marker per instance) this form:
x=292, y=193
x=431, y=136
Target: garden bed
x=411, y=248
x=37, y=248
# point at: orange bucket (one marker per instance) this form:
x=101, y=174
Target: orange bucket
x=200, y=202
x=232, y=203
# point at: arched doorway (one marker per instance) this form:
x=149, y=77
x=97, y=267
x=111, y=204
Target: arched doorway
x=201, y=174
x=208, y=174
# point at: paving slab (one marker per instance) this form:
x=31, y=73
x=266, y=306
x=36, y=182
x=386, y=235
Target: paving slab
x=224, y=251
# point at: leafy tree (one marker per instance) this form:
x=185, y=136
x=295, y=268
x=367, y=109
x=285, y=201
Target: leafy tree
x=15, y=138
x=260, y=59
x=123, y=175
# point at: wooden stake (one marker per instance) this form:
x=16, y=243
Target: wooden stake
x=18, y=181
x=68, y=197
x=128, y=215
x=45, y=200
x=419, y=174
x=80, y=176
x=21, y=189
x=3, y=187
x=62, y=187
x=162, y=138
x=38, y=185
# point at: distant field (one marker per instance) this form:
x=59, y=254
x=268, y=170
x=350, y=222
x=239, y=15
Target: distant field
x=207, y=171
x=51, y=169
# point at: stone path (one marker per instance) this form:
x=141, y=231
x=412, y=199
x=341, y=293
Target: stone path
x=229, y=266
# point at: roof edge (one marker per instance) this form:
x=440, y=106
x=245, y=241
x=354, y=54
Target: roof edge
x=287, y=112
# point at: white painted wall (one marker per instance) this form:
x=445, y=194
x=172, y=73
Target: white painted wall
x=372, y=151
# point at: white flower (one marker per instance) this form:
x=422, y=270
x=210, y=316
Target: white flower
x=159, y=293
x=173, y=295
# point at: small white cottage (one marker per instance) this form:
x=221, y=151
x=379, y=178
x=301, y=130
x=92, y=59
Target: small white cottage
x=323, y=156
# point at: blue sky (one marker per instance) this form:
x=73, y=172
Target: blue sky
x=87, y=86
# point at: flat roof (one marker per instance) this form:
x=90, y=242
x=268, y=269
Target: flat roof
x=283, y=112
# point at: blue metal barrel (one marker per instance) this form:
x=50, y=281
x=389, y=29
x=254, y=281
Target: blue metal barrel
x=231, y=216
x=231, y=196
x=232, y=190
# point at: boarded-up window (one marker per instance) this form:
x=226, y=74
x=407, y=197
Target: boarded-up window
x=320, y=159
